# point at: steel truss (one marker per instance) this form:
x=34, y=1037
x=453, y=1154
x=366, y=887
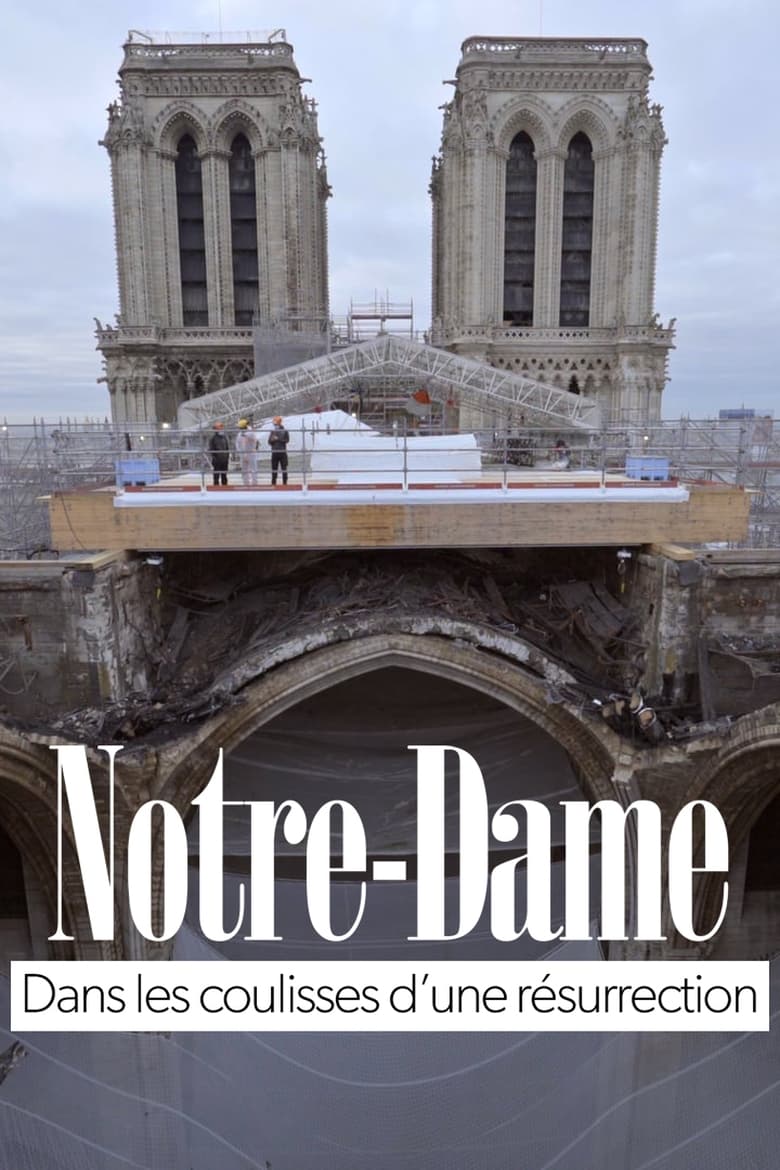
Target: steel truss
x=311, y=383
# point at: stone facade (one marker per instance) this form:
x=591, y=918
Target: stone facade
x=175, y=681
x=546, y=93
x=76, y=631
x=205, y=98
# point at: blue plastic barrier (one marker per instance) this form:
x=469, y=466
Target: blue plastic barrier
x=137, y=471
x=647, y=467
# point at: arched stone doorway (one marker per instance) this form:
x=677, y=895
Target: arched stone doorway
x=351, y=742
x=399, y=682
x=504, y=668
x=27, y=850
x=743, y=782
x=28, y=830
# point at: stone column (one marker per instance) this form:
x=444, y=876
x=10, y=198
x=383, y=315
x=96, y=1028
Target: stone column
x=640, y=274
x=473, y=224
x=142, y=392
x=167, y=306
x=127, y=173
x=605, y=226
x=650, y=236
x=549, y=228
x=435, y=191
x=449, y=281
x=265, y=232
x=643, y=134
x=607, y=305
x=115, y=384
x=291, y=221
x=308, y=219
x=323, y=194
x=495, y=228
x=632, y=402
x=216, y=222
x=274, y=195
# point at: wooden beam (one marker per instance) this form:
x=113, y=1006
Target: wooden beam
x=60, y=565
x=743, y=556
x=674, y=552
x=89, y=520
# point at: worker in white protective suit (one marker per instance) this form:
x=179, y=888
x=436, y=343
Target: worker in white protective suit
x=247, y=443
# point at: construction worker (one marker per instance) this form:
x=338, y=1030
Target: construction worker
x=246, y=446
x=561, y=455
x=277, y=441
x=220, y=454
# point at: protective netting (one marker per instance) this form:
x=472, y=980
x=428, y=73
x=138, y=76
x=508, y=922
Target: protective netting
x=508, y=1102
x=351, y=743
x=570, y=1101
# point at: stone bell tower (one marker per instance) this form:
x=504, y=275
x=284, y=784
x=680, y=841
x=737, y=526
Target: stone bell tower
x=220, y=189
x=545, y=211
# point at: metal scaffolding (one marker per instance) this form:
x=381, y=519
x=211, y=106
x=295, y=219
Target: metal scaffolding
x=39, y=458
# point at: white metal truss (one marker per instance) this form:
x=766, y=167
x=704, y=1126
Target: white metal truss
x=313, y=383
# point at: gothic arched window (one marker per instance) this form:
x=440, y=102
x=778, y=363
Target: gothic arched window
x=577, y=232
x=520, y=231
x=192, y=237
x=243, y=228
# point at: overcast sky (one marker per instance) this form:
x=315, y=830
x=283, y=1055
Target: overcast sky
x=376, y=73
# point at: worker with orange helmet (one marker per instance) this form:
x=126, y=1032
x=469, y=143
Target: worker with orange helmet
x=220, y=454
x=277, y=441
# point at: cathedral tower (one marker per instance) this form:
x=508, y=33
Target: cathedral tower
x=220, y=190
x=545, y=209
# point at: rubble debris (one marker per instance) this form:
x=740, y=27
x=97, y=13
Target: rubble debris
x=214, y=623
x=744, y=674
x=226, y=624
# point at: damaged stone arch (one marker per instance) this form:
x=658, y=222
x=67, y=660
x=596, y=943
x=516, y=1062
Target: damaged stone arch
x=741, y=780
x=28, y=815
x=502, y=667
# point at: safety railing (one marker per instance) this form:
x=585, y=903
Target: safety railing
x=403, y=456
x=41, y=458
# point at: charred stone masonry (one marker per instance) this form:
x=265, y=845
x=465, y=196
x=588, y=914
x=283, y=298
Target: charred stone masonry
x=206, y=650
x=151, y=647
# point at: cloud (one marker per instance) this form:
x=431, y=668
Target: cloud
x=377, y=76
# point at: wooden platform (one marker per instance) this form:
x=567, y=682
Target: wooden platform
x=527, y=515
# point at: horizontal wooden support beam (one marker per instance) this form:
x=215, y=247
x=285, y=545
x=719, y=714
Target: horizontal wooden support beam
x=674, y=552
x=89, y=520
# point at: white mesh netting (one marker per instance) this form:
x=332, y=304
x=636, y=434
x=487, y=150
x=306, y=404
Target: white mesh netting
x=389, y=1102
